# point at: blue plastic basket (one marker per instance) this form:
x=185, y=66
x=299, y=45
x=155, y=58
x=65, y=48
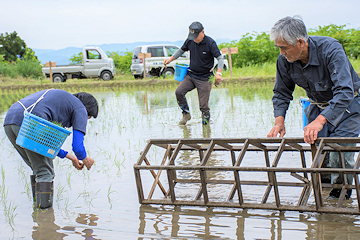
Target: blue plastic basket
x=304, y=104
x=180, y=71
x=41, y=136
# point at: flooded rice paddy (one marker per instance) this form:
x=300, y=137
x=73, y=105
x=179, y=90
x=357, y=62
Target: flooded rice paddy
x=103, y=204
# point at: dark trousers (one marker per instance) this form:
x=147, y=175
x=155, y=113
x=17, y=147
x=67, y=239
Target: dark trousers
x=349, y=126
x=41, y=166
x=189, y=83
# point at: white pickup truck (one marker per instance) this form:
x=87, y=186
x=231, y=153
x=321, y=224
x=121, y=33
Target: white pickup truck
x=95, y=64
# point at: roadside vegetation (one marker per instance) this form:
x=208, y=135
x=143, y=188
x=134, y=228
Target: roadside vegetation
x=256, y=57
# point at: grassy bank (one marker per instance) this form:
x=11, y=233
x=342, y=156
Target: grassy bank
x=256, y=73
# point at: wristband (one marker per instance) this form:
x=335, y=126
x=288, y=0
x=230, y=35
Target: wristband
x=218, y=73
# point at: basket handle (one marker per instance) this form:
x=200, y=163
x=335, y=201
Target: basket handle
x=34, y=104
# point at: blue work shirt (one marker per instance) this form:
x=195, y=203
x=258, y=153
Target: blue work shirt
x=56, y=106
x=328, y=77
x=201, y=57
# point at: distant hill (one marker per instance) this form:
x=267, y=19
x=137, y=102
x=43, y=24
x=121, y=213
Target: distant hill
x=62, y=56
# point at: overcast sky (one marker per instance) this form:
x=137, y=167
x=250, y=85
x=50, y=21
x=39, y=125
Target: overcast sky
x=59, y=24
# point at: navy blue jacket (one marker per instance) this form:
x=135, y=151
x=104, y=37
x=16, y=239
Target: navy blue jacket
x=327, y=77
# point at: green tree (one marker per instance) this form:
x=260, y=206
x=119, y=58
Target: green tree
x=122, y=60
x=255, y=48
x=76, y=58
x=349, y=38
x=12, y=46
x=30, y=55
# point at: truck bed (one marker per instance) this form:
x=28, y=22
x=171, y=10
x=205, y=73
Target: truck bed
x=64, y=69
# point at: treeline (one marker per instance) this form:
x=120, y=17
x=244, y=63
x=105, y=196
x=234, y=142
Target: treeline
x=256, y=48
x=16, y=59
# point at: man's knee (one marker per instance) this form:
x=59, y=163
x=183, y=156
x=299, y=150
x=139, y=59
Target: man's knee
x=179, y=92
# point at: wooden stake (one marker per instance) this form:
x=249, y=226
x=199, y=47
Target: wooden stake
x=229, y=51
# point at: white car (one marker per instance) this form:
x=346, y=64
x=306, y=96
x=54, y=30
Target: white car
x=154, y=66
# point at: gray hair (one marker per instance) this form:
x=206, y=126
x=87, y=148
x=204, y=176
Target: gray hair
x=289, y=29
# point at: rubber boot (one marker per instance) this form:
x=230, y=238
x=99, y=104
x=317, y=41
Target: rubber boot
x=44, y=194
x=33, y=182
x=205, y=118
x=186, y=117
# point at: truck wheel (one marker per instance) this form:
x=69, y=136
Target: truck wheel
x=58, y=78
x=168, y=72
x=138, y=76
x=106, y=75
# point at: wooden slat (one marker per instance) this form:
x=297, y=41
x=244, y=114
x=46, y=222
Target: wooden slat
x=237, y=163
x=274, y=164
x=157, y=177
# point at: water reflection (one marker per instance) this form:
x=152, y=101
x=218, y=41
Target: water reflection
x=47, y=229
x=206, y=131
x=211, y=223
x=186, y=131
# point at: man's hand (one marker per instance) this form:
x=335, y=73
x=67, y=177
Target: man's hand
x=75, y=162
x=279, y=127
x=217, y=79
x=169, y=60
x=311, y=131
x=88, y=162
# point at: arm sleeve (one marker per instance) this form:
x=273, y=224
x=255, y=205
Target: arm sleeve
x=343, y=92
x=220, y=59
x=283, y=89
x=178, y=53
x=62, y=153
x=78, y=144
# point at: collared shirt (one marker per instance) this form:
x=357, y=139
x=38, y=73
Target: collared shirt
x=201, y=57
x=327, y=77
x=56, y=106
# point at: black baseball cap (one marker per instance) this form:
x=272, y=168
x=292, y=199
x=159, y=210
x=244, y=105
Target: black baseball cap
x=194, y=29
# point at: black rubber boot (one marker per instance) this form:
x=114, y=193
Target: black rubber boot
x=44, y=194
x=205, y=118
x=33, y=182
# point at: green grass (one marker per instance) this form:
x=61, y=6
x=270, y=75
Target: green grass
x=269, y=69
x=356, y=64
x=258, y=70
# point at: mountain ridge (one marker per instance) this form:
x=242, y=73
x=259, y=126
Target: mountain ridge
x=62, y=56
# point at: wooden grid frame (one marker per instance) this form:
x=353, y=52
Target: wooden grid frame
x=310, y=177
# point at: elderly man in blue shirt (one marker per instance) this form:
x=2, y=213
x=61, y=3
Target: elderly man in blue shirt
x=320, y=66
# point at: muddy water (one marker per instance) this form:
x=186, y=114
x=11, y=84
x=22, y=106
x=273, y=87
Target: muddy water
x=103, y=204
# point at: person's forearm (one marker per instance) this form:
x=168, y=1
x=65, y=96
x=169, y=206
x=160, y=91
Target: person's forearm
x=78, y=145
x=177, y=54
x=220, y=64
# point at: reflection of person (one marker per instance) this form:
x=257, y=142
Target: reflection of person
x=46, y=227
x=59, y=106
x=320, y=66
x=202, y=49
x=206, y=131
